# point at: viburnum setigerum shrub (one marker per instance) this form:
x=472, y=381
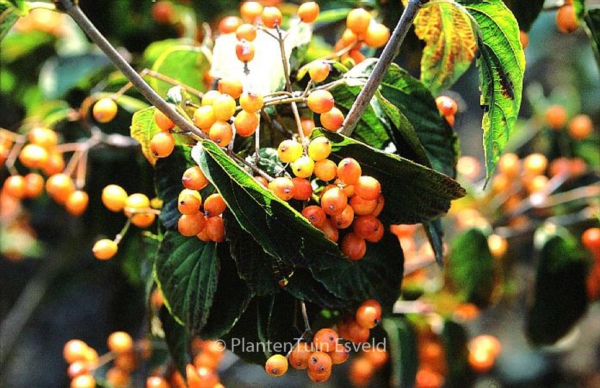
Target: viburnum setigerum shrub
x=279, y=205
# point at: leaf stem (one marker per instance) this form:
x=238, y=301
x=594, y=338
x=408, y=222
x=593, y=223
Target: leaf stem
x=391, y=50
x=154, y=98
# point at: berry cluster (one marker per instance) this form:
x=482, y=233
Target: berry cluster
x=40, y=152
x=202, y=373
x=327, y=347
x=361, y=29
x=200, y=218
x=368, y=362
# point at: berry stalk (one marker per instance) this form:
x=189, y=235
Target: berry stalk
x=154, y=98
x=391, y=50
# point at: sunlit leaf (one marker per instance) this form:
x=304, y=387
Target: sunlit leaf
x=185, y=64
x=501, y=64
x=450, y=44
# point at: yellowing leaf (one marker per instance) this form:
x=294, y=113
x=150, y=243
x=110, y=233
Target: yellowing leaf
x=450, y=44
x=142, y=129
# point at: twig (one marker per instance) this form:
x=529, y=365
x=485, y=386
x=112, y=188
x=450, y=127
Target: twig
x=154, y=98
x=391, y=50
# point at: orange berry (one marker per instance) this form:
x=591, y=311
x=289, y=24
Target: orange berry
x=245, y=32
x=325, y=170
x=319, y=149
x=156, y=382
x=319, y=71
x=303, y=167
x=566, y=19
x=43, y=137
x=298, y=358
x=580, y=127
x=358, y=20
x=59, y=187
x=215, y=228
x=74, y=350
x=307, y=126
x=289, y=151
x=34, y=185
x=481, y=361
x=315, y=215
x=33, y=156
x=591, y=240
x=214, y=205
x=250, y=10
x=524, y=39
x=339, y=355
x=308, y=12
x=497, y=245
x=367, y=187
x=118, y=378
x=77, y=202
x=556, y=116
x=120, y=342
x=210, y=97
x=332, y=120
x=302, y=189
x=194, y=179
x=105, y=110
x=535, y=164
x=276, y=365
x=224, y=107
x=331, y=232
x=204, y=117
x=428, y=379
x=344, y=219
x=229, y=24
x=221, y=133
x=114, y=198
x=353, y=246
x=334, y=201
x=244, y=50
x=377, y=356
x=191, y=225
x=377, y=35
x=319, y=362
x=246, y=123
x=282, y=187
x=162, y=144
x=271, y=17
x=83, y=381
x=251, y=102
x=230, y=86
x=15, y=186
x=509, y=165
x=55, y=163
x=162, y=121
x=189, y=202
x=320, y=101
x=105, y=249
x=349, y=171
x=325, y=340
x=446, y=105
x=368, y=316
x=361, y=372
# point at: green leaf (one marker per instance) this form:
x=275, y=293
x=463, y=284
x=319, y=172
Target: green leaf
x=415, y=101
x=186, y=271
x=455, y=339
x=178, y=340
x=142, y=129
x=592, y=27
x=185, y=64
x=254, y=265
x=413, y=193
x=377, y=275
x=560, y=297
x=471, y=267
x=435, y=235
x=230, y=301
x=450, y=44
x=156, y=49
x=17, y=46
x=526, y=12
x=403, y=351
x=580, y=9
x=501, y=64
x=8, y=18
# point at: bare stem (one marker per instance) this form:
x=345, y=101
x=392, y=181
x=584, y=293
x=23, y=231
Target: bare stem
x=305, y=316
x=161, y=77
x=154, y=98
x=391, y=50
